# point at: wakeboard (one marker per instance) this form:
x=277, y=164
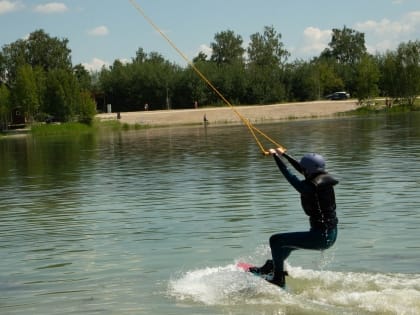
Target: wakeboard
x=247, y=267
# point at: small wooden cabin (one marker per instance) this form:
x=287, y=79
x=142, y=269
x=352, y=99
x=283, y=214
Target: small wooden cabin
x=18, y=118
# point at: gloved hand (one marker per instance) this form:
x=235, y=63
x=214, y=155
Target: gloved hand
x=278, y=151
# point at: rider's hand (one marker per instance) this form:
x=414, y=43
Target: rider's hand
x=280, y=150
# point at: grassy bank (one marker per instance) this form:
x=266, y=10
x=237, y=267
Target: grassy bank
x=143, y=120
x=116, y=125
x=79, y=128
x=381, y=108
x=60, y=129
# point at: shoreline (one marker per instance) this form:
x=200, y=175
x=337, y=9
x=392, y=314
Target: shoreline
x=255, y=114
x=225, y=115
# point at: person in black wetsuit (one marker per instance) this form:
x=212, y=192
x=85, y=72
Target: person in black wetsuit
x=318, y=201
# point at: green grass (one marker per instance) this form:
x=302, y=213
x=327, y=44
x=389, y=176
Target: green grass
x=108, y=125
x=380, y=108
x=79, y=128
x=60, y=129
x=116, y=125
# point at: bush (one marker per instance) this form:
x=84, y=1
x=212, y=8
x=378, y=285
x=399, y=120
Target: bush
x=87, y=108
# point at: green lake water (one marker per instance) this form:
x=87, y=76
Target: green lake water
x=154, y=221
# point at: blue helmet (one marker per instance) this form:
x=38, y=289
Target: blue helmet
x=312, y=163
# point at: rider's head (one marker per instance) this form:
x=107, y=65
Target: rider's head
x=312, y=164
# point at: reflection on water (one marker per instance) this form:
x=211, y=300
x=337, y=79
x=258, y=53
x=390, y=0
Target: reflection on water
x=152, y=221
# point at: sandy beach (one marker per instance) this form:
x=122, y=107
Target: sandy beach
x=225, y=115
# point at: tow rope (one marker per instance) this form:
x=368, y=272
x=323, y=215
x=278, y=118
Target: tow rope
x=253, y=130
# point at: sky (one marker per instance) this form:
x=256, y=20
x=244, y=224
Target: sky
x=102, y=31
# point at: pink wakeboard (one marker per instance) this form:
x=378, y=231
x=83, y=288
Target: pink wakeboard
x=244, y=266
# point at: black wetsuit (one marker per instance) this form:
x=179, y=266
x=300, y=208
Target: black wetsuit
x=318, y=202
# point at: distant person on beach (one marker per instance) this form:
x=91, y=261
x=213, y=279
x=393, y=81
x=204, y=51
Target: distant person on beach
x=146, y=106
x=318, y=201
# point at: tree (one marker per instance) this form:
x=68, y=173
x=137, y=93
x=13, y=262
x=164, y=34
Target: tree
x=83, y=77
x=388, y=80
x=3, y=68
x=149, y=78
x=346, y=49
x=267, y=48
x=200, y=57
x=227, y=48
x=193, y=88
x=408, y=70
x=367, y=78
x=86, y=108
x=189, y=87
x=141, y=56
x=39, y=72
x=62, y=95
x=14, y=56
x=26, y=92
x=347, y=46
x=38, y=50
x=230, y=80
x=304, y=80
x=152, y=82
x=114, y=83
x=48, y=52
x=4, y=106
x=266, y=59
x=400, y=72
x=329, y=79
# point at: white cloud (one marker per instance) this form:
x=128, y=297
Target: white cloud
x=315, y=41
x=382, y=28
x=413, y=20
x=124, y=60
x=7, y=6
x=387, y=35
x=383, y=45
x=51, y=7
x=205, y=49
x=99, y=31
x=95, y=65
x=380, y=35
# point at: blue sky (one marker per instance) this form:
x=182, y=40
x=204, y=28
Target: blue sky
x=101, y=31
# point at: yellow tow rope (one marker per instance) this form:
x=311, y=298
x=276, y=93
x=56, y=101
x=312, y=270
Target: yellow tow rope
x=254, y=130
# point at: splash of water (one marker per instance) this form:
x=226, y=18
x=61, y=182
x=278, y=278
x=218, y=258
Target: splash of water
x=327, y=292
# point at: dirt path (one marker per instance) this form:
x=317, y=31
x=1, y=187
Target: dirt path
x=225, y=115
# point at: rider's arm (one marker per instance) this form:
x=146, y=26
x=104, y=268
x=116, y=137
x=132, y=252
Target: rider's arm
x=300, y=185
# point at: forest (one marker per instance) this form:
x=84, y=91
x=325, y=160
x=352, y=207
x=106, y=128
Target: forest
x=37, y=76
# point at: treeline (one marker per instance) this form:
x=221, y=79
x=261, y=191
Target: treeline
x=37, y=75
x=262, y=73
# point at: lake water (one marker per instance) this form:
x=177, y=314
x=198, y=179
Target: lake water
x=154, y=221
